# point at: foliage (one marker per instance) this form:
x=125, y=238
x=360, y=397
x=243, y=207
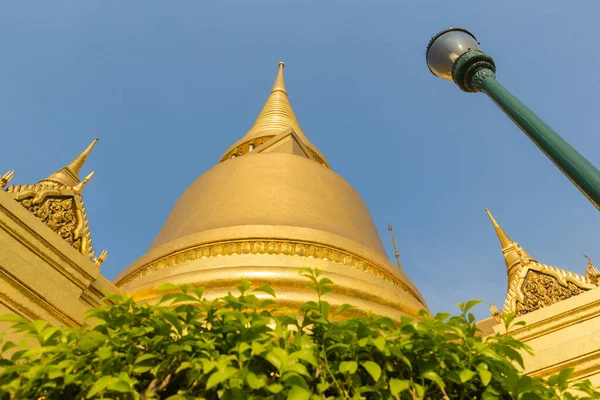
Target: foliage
x=244, y=347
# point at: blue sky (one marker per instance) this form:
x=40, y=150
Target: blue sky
x=168, y=86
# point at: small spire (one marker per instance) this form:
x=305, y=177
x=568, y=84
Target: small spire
x=279, y=84
x=69, y=175
x=514, y=255
x=504, y=239
x=396, y=253
x=277, y=114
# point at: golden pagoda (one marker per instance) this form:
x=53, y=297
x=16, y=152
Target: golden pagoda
x=270, y=206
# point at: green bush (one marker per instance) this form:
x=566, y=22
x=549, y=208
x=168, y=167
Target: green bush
x=242, y=347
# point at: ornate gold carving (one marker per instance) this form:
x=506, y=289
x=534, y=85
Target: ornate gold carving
x=60, y=208
x=541, y=290
x=532, y=285
x=292, y=248
x=58, y=214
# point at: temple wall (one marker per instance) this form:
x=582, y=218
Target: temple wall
x=563, y=335
x=41, y=275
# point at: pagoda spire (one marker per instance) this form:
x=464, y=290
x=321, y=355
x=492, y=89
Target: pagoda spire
x=505, y=241
x=69, y=175
x=514, y=255
x=277, y=113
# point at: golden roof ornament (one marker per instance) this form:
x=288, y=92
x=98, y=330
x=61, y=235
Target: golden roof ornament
x=277, y=113
x=591, y=272
x=275, y=117
x=69, y=175
x=57, y=202
x=6, y=178
x=532, y=285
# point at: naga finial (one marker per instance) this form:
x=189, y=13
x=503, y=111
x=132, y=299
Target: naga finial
x=78, y=189
x=99, y=260
x=6, y=178
x=495, y=313
x=591, y=272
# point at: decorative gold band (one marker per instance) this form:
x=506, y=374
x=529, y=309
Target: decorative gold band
x=276, y=247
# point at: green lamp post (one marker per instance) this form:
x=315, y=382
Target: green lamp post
x=454, y=55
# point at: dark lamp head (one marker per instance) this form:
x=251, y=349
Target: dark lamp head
x=446, y=47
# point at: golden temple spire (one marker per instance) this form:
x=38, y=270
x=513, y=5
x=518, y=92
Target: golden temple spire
x=69, y=175
x=277, y=113
x=514, y=255
x=279, y=81
x=504, y=239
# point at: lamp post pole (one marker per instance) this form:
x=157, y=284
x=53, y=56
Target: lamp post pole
x=474, y=71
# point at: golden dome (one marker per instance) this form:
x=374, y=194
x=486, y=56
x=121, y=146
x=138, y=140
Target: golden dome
x=262, y=214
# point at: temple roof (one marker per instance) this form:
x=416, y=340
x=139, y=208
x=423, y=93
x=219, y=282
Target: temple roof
x=533, y=285
x=57, y=202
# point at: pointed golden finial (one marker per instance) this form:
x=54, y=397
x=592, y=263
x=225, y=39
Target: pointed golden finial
x=277, y=114
x=279, y=82
x=504, y=239
x=6, y=178
x=591, y=272
x=495, y=313
x=79, y=187
x=99, y=260
x=514, y=255
x=69, y=175
x=396, y=253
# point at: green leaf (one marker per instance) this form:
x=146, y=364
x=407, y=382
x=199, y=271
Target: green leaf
x=484, y=374
x=348, y=366
x=298, y=393
x=433, y=376
x=7, y=346
x=244, y=286
x=265, y=289
x=306, y=355
x=420, y=390
x=99, y=386
x=256, y=382
x=373, y=369
x=39, y=325
x=563, y=378
x=298, y=368
x=220, y=376
x=379, y=342
x=466, y=375
x=183, y=365
x=465, y=307
x=13, y=318
x=278, y=357
x=167, y=286
x=120, y=386
x=275, y=388
x=342, y=309
x=142, y=369
x=397, y=386
x=257, y=348
x=145, y=357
